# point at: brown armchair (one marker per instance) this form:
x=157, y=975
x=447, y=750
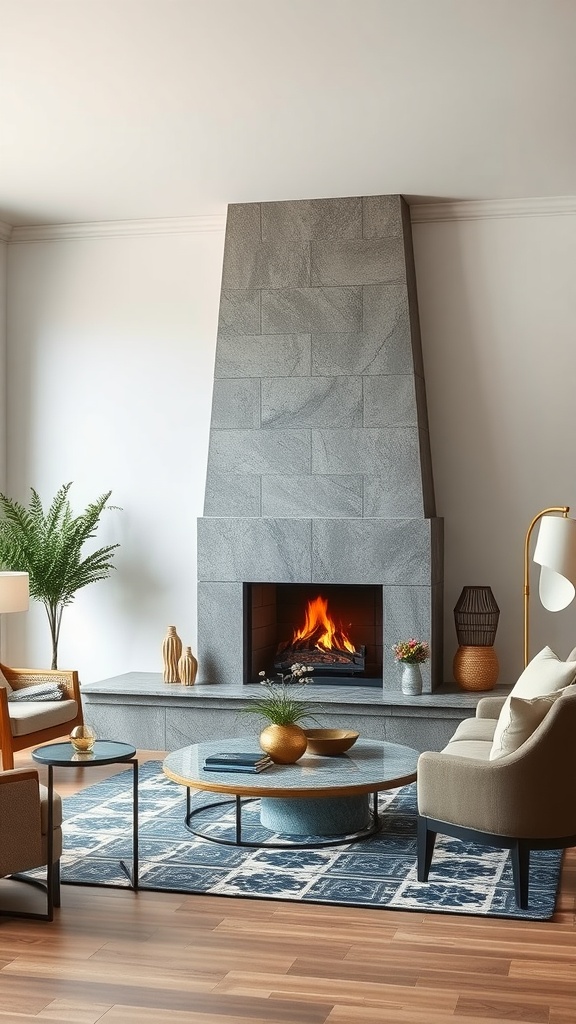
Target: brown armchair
x=30, y=837
x=28, y=723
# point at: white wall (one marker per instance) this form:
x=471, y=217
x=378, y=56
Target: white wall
x=111, y=348
x=498, y=312
x=110, y=362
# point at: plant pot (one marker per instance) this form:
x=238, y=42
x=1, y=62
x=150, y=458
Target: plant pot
x=284, y=744
x=411, y=679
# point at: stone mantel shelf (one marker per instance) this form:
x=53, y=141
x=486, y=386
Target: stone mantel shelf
x=144, y=687
x=140, y=708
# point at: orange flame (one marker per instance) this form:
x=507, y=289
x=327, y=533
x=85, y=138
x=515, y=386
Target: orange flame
x=320, y=631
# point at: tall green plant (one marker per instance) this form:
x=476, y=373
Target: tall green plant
x=48, y=546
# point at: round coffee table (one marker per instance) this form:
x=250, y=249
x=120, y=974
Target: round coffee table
x=317, y=796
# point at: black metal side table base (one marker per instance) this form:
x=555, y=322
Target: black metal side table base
x=351, y=837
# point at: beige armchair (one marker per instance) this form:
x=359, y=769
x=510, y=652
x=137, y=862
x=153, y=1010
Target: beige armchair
x=30, y=837
x=29, y=723
x=522, y=801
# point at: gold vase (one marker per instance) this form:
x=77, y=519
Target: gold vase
x=476, y=668
x=187, y=667
x=283, y=743
x=171, y=651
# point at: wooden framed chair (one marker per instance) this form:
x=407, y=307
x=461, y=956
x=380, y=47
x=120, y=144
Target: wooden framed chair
x=28, y=723
x=26, y=839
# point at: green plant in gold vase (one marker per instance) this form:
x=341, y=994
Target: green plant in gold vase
x=283, y=706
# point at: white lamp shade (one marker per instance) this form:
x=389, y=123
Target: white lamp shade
x=556, y=552
x=14, y=592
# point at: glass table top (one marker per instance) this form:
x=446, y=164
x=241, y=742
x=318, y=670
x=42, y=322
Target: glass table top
x=103, y=752
x=367, y=766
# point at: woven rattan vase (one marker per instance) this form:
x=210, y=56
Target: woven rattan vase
x=476, y=668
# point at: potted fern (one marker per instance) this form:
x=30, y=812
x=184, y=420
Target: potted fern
x=48, y=546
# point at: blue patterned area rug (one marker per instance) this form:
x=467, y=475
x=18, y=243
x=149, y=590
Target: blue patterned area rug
x=379, y=872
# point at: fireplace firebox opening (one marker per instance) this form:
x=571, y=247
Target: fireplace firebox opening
x=337, y=629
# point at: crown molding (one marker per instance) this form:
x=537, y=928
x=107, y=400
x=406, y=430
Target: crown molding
x=118, y=228
x=420, y=213
x=490, y=209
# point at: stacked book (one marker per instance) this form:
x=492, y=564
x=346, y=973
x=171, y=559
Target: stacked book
x=230, y=761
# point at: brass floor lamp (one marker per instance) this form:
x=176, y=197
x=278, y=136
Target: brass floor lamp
x=555, y=552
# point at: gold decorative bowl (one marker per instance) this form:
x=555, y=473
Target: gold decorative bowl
x=329, y=741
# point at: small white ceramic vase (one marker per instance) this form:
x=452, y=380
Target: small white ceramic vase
x=411, y=679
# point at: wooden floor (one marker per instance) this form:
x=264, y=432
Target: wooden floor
x=151, y=958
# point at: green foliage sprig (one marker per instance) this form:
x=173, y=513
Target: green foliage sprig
x=48, y=546
x=282, y=703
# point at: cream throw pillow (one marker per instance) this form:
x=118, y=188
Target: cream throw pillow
x=543, y=675
x=524, y=718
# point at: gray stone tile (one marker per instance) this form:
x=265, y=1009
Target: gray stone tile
x=316, y=402
x=266, y=264
x=364, y=353
x=143, y=727
x=227, y=495
x=263, y=355
x=312, y=218
x=254, y=550
x=287, y=310
x=390, y=552
x=394, y=495
x=189, y=726
x=362, y=261
x=260, y=451
x=414, y=315
x=243, y=221
x=236, y=403
x=220, y=630
x=239, y=313
x=427, y=476
x=407, y=613
x=314, y=496
x=381, y=216
x=386, y=312
x=372, y=452
x=390, y=401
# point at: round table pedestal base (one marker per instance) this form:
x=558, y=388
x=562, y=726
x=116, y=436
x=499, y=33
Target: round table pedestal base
x=332, y=816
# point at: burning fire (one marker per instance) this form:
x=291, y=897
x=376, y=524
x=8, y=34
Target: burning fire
x=320, y=631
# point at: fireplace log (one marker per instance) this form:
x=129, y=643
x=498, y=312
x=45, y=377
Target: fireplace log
x=335, y=661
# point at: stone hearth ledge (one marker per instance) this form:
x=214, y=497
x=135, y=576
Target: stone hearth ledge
x=139, y=708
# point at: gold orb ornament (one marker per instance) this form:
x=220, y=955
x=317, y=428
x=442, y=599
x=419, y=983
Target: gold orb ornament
x=83, y=738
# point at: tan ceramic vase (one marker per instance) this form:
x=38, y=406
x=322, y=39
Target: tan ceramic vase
x=284, y=743
x=187, y=667
x=171, y=651
x=476, y=668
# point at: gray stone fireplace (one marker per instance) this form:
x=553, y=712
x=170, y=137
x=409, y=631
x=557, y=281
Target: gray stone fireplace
x=319, y=469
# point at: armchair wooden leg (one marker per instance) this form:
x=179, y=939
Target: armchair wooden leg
x=7, y=759
x=426, y=840
x=520, y=858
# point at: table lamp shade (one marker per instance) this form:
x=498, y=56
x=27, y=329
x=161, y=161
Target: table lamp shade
x=476, y=617
x=555, y=552
x=14, y=592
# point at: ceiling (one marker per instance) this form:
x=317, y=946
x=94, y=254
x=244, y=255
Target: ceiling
x=134, y=109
